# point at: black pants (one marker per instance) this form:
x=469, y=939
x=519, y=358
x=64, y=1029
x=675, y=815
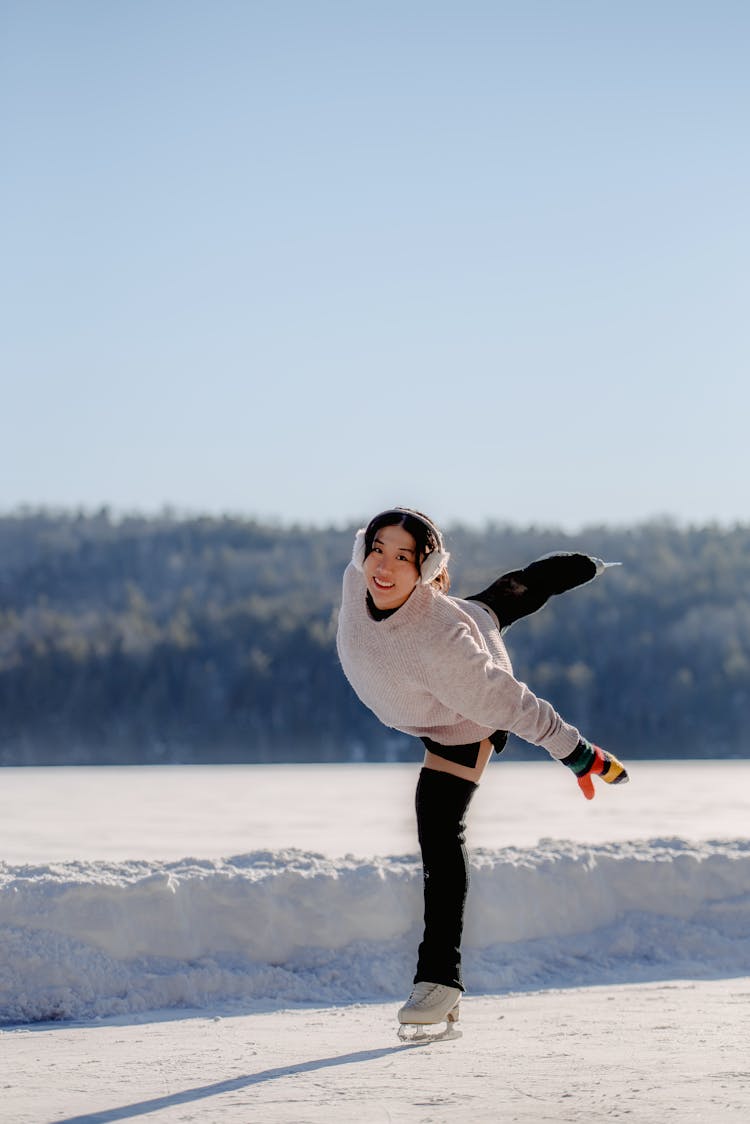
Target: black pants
x=442, y=801
x=521, y=592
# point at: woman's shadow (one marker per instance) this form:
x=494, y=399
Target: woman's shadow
x=201, y=1092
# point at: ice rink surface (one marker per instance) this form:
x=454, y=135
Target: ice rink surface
x=82, y=848
x=170, y=812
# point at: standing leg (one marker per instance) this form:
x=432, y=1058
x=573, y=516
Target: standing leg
x=441, y=801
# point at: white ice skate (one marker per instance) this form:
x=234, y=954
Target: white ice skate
x=428, y=1006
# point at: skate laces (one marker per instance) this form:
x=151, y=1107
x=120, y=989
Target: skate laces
x=420, y=992
x=424, y=991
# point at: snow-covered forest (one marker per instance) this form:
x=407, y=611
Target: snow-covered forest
x=168, y=638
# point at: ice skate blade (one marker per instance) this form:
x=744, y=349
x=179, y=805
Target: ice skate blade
x=428, y=1032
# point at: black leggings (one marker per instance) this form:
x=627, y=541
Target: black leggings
x=442, y=801
x=522, y=592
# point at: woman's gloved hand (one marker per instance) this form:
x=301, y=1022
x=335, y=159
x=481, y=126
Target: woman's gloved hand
x=587, y=760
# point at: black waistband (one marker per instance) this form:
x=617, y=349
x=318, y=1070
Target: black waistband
x=468, y=754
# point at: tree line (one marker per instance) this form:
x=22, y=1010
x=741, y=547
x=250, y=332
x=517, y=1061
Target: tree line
x=172, y=639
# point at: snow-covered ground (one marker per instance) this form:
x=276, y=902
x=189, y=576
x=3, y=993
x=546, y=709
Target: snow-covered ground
x=216, y=943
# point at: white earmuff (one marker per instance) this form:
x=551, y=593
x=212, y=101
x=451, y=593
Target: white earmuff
x=433, y=566
x=358, y=551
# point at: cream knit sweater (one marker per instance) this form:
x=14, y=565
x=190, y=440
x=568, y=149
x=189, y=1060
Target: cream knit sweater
x=438, y=668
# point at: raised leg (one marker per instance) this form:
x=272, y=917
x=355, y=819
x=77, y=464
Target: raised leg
x=522, y=592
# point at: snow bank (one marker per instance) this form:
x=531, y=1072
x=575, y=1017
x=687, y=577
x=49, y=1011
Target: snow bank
x=86, y=939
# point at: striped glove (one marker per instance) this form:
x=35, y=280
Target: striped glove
x=587, y=759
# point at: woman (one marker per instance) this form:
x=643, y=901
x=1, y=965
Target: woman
x=436, y=667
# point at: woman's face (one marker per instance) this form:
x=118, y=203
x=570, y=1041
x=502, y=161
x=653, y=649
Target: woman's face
x=391, y=567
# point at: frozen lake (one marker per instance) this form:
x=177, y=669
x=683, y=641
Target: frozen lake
x=132, y=889
x=63, y=814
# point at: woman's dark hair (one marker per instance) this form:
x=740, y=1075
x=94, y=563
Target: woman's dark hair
x=425, y=533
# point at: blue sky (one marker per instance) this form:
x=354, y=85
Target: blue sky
x=305, y=260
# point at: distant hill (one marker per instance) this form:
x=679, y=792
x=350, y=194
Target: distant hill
x=165, y=639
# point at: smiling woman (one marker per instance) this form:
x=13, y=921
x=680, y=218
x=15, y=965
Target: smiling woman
x=398, y=549
x=391, y=567
x=436, y=667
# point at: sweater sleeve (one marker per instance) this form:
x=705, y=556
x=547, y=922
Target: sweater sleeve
x=463, y=676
